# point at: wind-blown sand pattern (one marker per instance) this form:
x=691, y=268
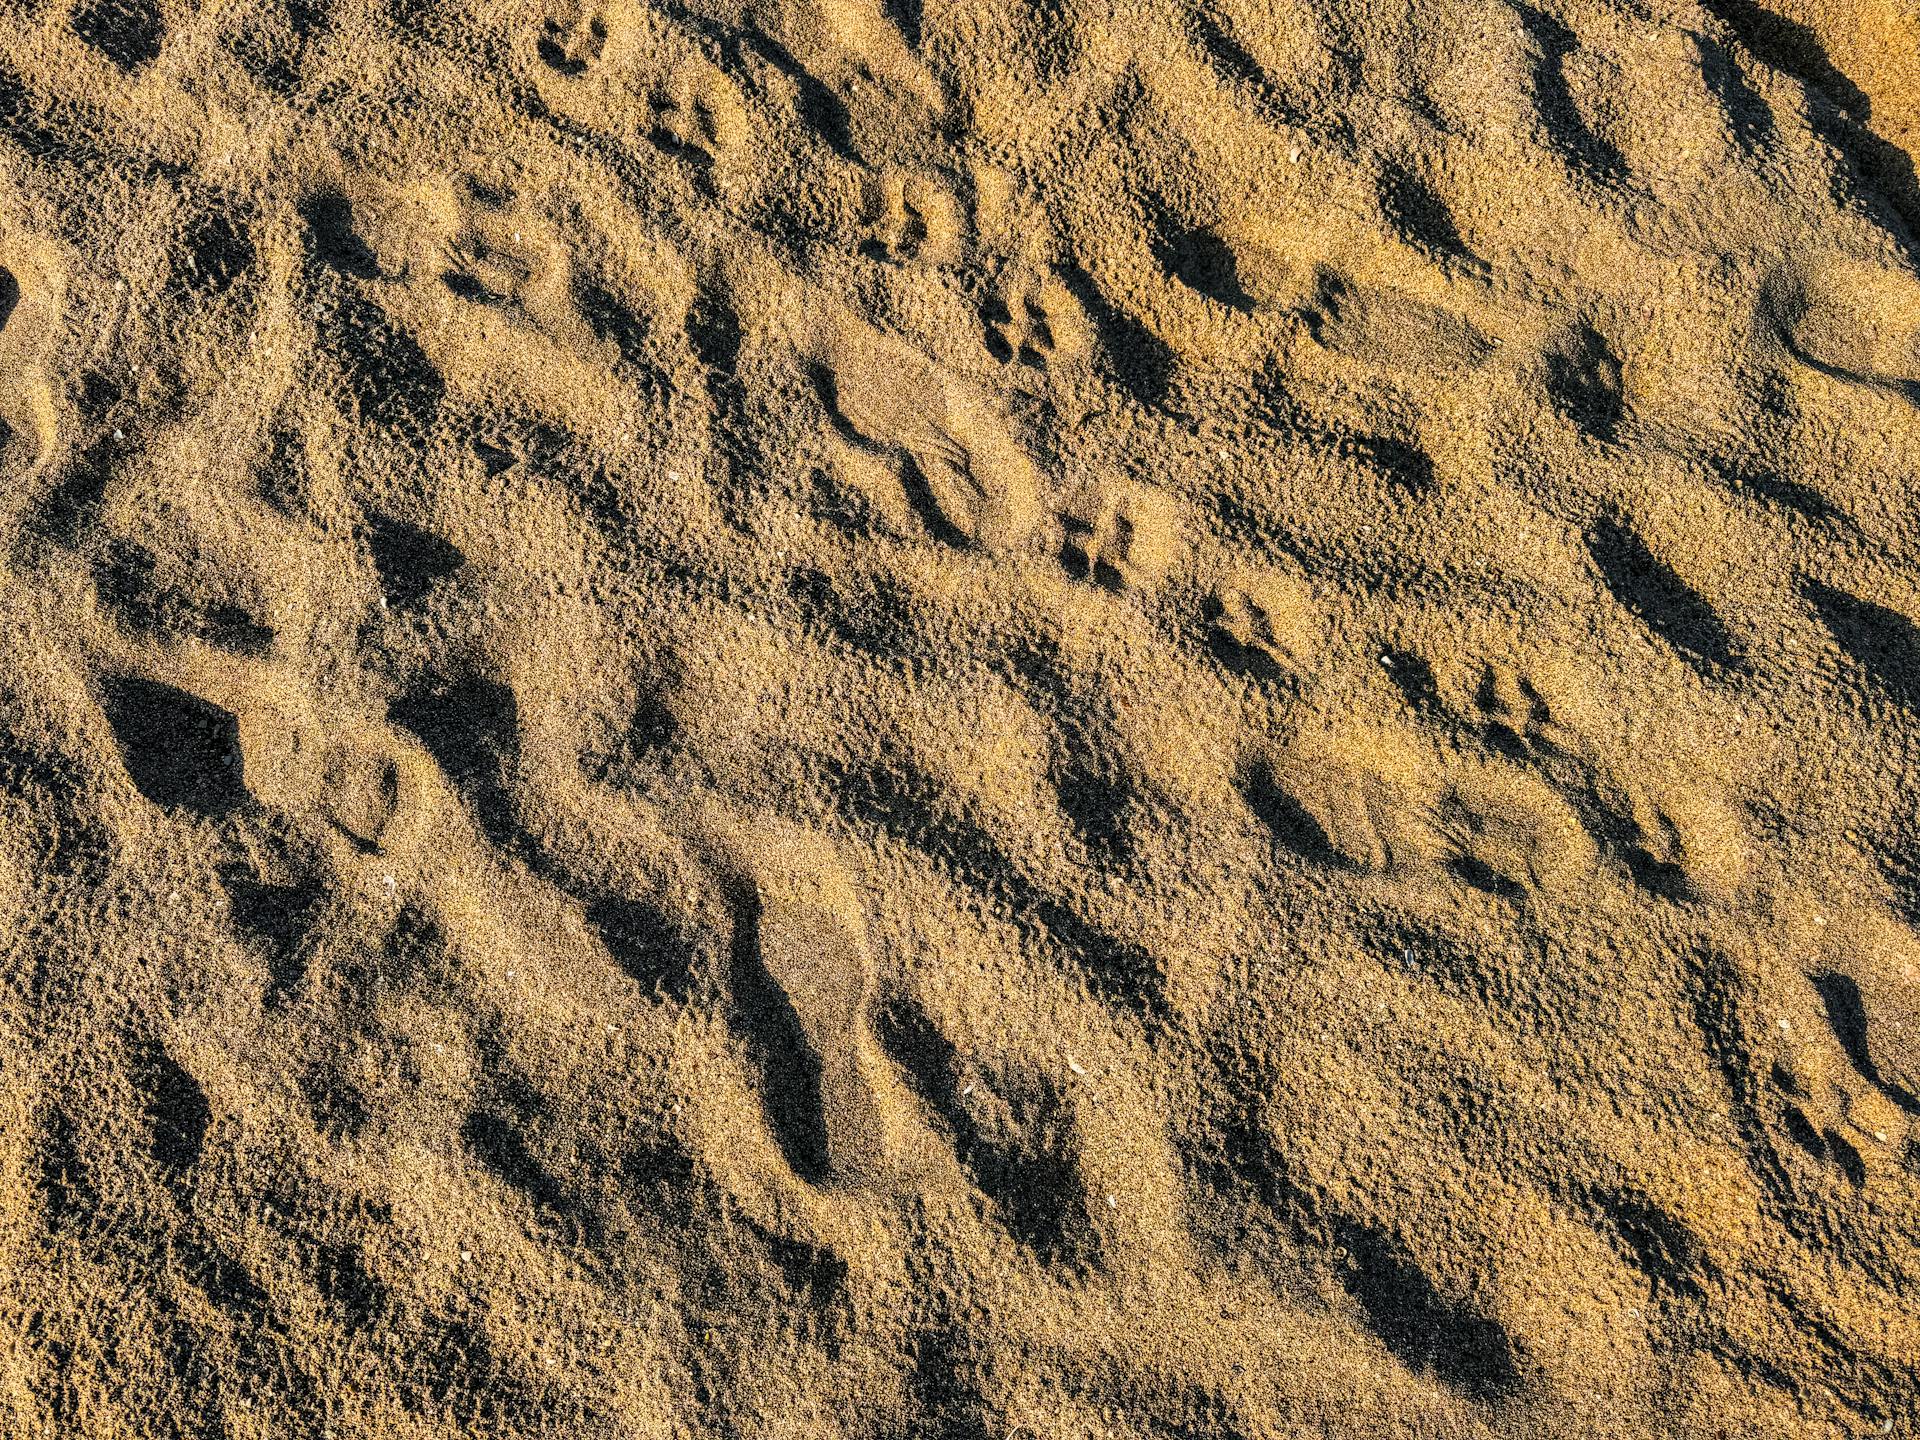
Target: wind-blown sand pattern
x=830, y=718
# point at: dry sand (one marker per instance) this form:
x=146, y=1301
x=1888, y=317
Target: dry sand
x=817, y=718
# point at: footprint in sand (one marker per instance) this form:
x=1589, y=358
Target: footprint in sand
x=1582, y=376
x=1359, y=800
x=1393, y=330
x=1674, y=835
x=1264, y=624
x=972, y=482
x=1852, y=321
x=1122, y=537
x=1868, y=981
x=1844, y=1072
x=182, y=752
x=31, y=287
x=130, y=33
x=228, y=751
x=913, y=218
x=1508, y=833
x=801, y=979
x=698, y=112
x=1034, y=320
x=1528, y=817
x=572, y=40
x=370, y=790
x=500, y=254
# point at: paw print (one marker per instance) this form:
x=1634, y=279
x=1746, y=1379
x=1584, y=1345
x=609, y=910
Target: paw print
x=913, y=218
x=698, y=111
x=1831, y=1111
x=1517, y=718
x=1035, y=320
x=1265, y=625
x=572, y=43
x=501, y=252
x=1507, y=832
x=1118, y=538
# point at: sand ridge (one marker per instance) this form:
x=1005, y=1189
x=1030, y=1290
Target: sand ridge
x=821, y=717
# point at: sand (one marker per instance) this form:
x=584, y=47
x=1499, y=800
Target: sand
x=771, y=718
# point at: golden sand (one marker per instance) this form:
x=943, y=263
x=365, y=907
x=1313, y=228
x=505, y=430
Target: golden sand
x=788, y=718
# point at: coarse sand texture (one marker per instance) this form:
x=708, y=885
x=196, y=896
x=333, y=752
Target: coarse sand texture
x=959, y=719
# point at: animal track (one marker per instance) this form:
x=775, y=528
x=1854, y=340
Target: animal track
x=1583, y=380
x=1671, y=836
x=572, y=42
x=1034, y=319
x=499, y=255
x=127, y=32
x=970, y=479
x=1665, y=603
x=698, y=111
x=913, y=218
x=1264, y=624
x=1509, y=834
x=1884, y=643
x=1384, y=327
x=1356, y=801
x=1122, y=538
x=800, y=979
x=1824, y=1088
x=1851, y=321
x=500, y=418
x=1013, y=1132
x=162, y=596
x=180, y=751
x=368, y=790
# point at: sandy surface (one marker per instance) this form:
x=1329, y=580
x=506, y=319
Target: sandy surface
x=1012, y=718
